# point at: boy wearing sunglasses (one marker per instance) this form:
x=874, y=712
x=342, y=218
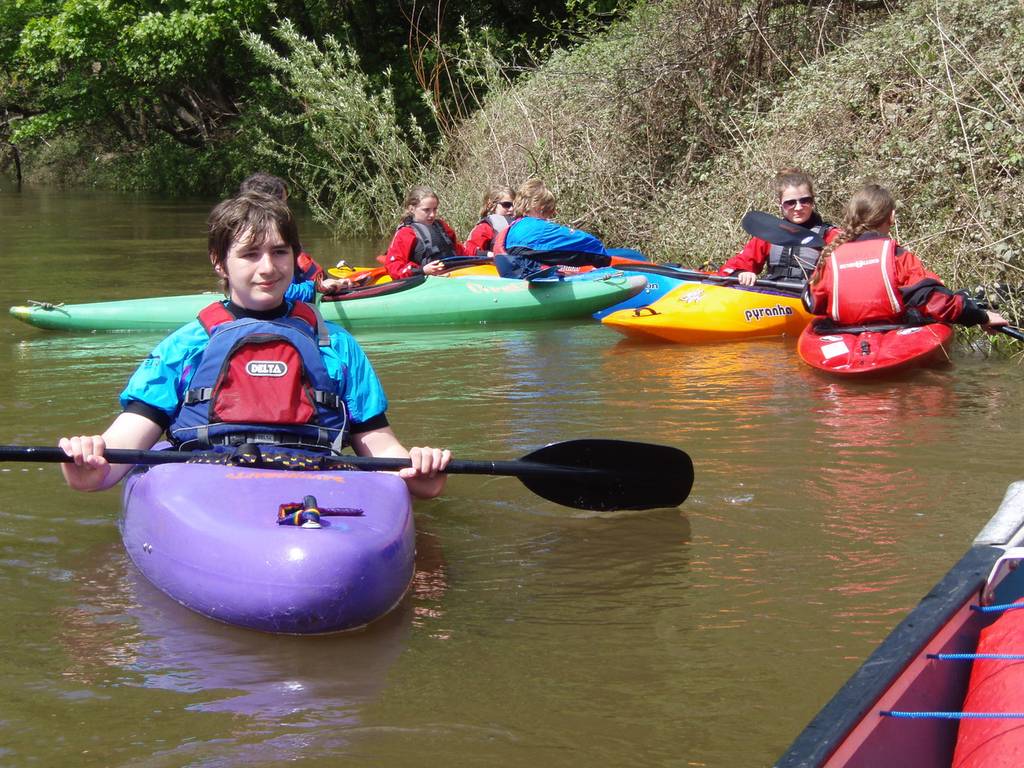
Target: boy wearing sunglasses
x=795, y=192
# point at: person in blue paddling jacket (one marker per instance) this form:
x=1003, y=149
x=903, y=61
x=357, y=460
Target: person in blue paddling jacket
x=422, y=240
x=495, y=216
x=795, y=192
x=866, y=277
x=534, y=246
x=254, y=368
x=309, y=278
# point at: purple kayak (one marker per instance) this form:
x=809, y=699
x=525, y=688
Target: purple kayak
x=208, y=536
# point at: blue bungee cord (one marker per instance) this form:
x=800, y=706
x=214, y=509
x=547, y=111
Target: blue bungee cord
x=952, y=715
x=968, y=657
x=996, y=608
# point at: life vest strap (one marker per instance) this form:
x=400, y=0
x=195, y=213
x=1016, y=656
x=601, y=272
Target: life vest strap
x=327, y=399
x=268, y=437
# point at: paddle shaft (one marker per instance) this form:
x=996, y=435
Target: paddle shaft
x=371, y=463
x=1012, y=332
x=668, y=270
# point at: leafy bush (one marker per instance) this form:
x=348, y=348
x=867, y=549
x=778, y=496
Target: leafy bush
x=340, y=138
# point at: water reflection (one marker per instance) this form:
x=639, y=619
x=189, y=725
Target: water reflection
x=122, y=631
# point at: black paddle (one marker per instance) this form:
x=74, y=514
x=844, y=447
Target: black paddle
x=585, y=474
x=1012, y=332
x=669, y=270
x=779, y=231
x=824, y=329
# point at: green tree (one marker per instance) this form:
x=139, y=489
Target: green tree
x=135, y=67
x=339, y=135
x=166, y=87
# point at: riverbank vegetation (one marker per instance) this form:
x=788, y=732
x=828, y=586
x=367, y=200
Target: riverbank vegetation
x=174, y=95
x=658, y=124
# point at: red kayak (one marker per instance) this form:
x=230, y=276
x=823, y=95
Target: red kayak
x=945, y=688
x=872, y=350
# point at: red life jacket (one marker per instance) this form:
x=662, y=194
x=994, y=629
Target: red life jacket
x=262, y=381
x=864, y=287
x=306, y=268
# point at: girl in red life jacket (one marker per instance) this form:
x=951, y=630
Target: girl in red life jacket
x=422, y=240
x=865, y=276
x=495, y=216
x=795, y=192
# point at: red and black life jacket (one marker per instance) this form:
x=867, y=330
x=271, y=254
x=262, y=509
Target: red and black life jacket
x=262, y=381
x=864, y=287
x=432, y=242
x=306, y=268
x=794, y=262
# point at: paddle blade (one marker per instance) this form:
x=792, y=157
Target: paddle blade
x=779, y=231
x=630, y=475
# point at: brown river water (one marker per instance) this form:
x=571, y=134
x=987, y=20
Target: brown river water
x=535, y=634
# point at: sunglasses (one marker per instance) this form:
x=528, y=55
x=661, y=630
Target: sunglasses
x=805, y=201
x=506, y=204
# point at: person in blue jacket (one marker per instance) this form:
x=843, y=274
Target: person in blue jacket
x=253, y=244
x=534, y=246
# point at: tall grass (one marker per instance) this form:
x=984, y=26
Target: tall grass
x=928, y=103
x=614, y=125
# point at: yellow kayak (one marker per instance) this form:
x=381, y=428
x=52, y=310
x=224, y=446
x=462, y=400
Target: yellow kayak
x=699, y=313
x=378, y=274
x=365, y=275
x=474, y=270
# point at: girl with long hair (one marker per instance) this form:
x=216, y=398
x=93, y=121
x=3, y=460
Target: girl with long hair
x=865, y=276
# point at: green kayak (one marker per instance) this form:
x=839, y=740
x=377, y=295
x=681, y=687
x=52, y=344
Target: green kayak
x=418, y=301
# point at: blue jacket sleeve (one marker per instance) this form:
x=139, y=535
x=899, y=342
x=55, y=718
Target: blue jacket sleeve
x=304, y=291
x=161, y=379
x=345, y=360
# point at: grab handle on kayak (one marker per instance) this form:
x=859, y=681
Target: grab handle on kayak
x=308, y=513
x=45, y=305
